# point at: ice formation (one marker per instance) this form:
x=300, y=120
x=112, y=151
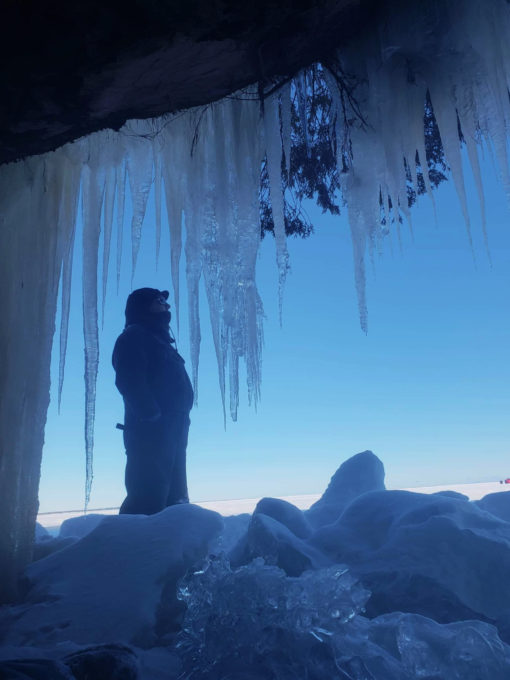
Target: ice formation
x=409, y=586
x=207, y=163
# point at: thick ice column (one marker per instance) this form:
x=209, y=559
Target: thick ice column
x=32, y=245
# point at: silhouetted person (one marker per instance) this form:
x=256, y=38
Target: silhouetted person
x=158, y=397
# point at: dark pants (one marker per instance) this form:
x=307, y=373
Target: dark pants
x=156, y=464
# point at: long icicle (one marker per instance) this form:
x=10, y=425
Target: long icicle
x=92, y=197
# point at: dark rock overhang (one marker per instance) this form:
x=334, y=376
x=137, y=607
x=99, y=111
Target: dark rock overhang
x=70, y=68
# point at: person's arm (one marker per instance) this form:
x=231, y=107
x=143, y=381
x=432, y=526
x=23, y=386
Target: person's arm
x=130, y=362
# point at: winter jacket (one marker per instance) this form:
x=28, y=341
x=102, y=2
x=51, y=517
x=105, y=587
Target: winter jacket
x=150, y=375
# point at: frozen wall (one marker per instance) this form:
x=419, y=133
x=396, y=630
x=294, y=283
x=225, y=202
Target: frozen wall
x=33, y=235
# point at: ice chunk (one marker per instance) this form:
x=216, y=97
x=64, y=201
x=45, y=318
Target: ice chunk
x=255, y=619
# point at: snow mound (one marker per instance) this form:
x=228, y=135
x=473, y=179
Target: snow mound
x=79, y=526
x=269, y=539
x=452, y=494
x=437, y=556
x=357, y=475
x=117, y=584
x=498, y=504
x=285, y=513
x=41, y=533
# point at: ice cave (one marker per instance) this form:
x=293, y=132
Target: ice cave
x=221, y=109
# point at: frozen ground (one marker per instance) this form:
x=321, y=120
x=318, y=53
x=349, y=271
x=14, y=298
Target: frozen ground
x=366, y=584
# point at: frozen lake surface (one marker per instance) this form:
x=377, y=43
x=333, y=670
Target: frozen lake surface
x=238, y=506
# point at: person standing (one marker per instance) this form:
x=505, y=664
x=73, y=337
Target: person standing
x=158, y=396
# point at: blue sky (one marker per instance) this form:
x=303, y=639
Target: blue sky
x=428, y=389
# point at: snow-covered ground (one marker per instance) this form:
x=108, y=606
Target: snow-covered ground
x=365, y=584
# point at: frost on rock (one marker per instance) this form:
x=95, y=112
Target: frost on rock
x=450, y=59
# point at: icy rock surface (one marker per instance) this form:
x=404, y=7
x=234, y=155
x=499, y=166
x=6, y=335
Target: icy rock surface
x=498, y=504
x=115, y=584
x=437, y=556
x=357, y=475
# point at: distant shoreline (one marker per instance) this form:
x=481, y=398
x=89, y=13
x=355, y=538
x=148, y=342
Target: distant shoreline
x=238, y=506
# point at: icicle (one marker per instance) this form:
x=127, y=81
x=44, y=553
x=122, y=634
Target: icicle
x=93, y=182
x=286, y=116
x=195, y=216
x=157, y=197
x=121, y=173
x=67, y=218
x=274, y=159
x=446, y=117
x=301, y=101
x=175, y=165
x=140, y=163
x=470, y=139
x=193, y=273
x=111, y=181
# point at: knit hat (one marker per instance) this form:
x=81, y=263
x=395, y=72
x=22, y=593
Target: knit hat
x=139, y=301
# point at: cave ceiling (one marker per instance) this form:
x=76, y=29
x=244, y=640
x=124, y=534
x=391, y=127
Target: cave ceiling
x=72, y=68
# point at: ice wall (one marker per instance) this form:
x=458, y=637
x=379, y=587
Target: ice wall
x=207, y=165
x=34, y=231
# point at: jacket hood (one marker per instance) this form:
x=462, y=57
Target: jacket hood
x=138, y=303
